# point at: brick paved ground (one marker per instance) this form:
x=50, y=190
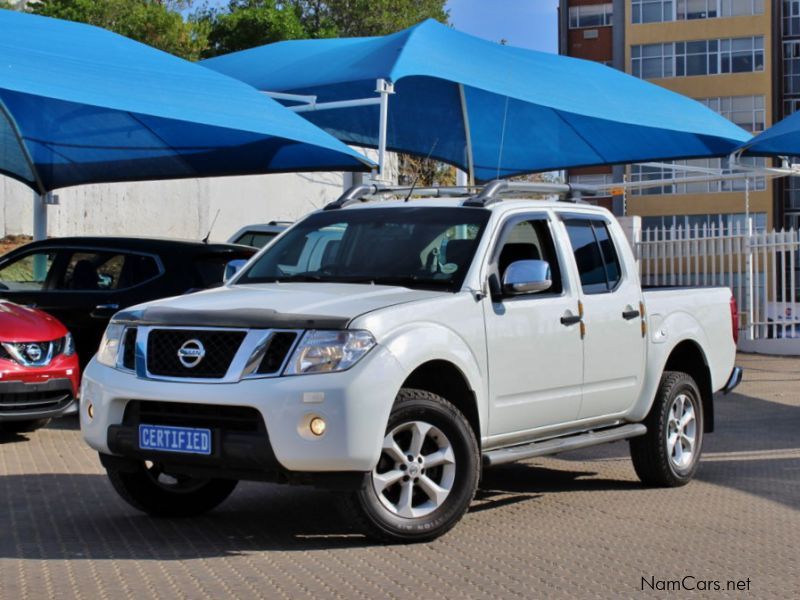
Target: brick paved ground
x=575, y=526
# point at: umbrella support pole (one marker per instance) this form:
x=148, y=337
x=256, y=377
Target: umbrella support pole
x=40, y=203
x=384, y=88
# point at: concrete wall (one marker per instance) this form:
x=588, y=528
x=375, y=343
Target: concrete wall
x=177, y=209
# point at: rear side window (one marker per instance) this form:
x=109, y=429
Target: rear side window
x=256, y=239
x=595, y=255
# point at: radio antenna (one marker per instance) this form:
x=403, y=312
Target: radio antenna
x=416, y=178
x=210, y=229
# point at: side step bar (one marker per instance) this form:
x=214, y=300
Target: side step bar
x=556, y=445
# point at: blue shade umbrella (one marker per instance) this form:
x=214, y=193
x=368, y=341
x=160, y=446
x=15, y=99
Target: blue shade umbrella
x=782, y=139
x=79, y=104
x=492, y=110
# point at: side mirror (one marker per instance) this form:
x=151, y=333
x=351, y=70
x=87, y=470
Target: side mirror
x=527, y=277
x=232, y=268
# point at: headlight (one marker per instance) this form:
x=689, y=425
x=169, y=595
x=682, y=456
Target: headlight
x=69, y=345
x=109, y=345
x=328, y=351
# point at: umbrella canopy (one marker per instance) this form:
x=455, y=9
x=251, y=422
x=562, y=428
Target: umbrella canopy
x=782, y=139
x=79, y=104
x=491, y=109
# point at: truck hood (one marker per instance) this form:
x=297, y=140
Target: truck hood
x=22, y=324
x=274, y=305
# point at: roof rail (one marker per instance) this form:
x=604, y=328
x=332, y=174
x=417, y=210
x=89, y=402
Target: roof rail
x=362, y=193
x=490, y=193
x=494, y=190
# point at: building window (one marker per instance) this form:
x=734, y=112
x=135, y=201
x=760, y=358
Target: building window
x=791, y=18
x=656, y=11
x=652, y=11
x=653, y=61
x=746, y=111
x=701, y=57
x=663, y=172
x=590, y=15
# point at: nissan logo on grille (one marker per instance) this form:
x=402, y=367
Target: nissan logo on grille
x=191, y=353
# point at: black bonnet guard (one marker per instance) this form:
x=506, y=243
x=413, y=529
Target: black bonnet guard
x=244, y=318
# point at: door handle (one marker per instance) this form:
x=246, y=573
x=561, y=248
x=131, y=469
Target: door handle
x=107, y=307
x=571, y=320
x=630, y=314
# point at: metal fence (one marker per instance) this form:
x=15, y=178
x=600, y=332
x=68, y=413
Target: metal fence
x=760, y=267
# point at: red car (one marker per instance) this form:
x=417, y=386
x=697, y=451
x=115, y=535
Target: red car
x=39, y=371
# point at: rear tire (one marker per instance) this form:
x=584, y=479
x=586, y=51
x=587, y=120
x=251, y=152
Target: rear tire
x=427, y=475
x=156, y=493
x=669, y=453
x=23, y=426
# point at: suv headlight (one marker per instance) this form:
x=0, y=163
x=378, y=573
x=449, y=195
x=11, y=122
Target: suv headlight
x=329, y=351
x=109, y=345
x=69, y=345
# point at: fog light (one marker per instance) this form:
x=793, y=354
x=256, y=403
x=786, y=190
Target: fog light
x=90, y=410
x=317, y=426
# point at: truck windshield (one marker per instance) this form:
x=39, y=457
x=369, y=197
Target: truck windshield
x=414, y=246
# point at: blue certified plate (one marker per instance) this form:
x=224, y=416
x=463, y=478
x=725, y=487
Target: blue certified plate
x=186, y=440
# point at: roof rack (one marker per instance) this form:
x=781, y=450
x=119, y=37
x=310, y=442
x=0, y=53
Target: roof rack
x=495, y=190
x=363, y=192
x=489, y=193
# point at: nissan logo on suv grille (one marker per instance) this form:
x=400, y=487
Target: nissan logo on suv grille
x=191, y=353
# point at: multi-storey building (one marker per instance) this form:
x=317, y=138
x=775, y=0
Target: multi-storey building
x=719, y=52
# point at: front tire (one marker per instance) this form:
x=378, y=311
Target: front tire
x=669, y=453
x=151, y=490
x=427, y=474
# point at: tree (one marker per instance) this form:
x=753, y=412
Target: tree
x=248, y=23
x=244, y=24
x=156, y=23
x=353, y=18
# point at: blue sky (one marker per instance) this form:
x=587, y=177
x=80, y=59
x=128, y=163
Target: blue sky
x=526, y=23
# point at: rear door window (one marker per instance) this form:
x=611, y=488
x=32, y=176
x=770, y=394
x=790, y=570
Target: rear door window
x=98, y=271
x=595, y=255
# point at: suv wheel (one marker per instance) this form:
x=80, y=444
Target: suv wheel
x=149, y=489
x=669, y=453
x=427, y=473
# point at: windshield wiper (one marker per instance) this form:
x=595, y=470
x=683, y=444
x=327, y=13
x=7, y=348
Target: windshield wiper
x=410, y=281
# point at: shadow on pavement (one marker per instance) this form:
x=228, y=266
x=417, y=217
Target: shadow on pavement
x=69, y=423
x=79, y=516
x=755, y=448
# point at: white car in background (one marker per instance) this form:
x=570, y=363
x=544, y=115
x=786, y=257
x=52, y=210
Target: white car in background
x=259, y=235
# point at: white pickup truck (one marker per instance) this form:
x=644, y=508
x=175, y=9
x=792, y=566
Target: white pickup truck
x=431, y=339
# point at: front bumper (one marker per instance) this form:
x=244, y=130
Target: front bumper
x=22, y=401
x=355, y=405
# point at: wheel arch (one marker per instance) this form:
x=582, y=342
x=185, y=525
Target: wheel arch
x=445, y=379
x=688, y=357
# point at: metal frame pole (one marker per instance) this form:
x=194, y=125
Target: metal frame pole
x=384, y=88
x=40, y=215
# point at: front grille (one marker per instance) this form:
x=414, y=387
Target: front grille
x=129, y=349
x=33, y=401
x=280, y=344
x=227, y=418
x=220, y=348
